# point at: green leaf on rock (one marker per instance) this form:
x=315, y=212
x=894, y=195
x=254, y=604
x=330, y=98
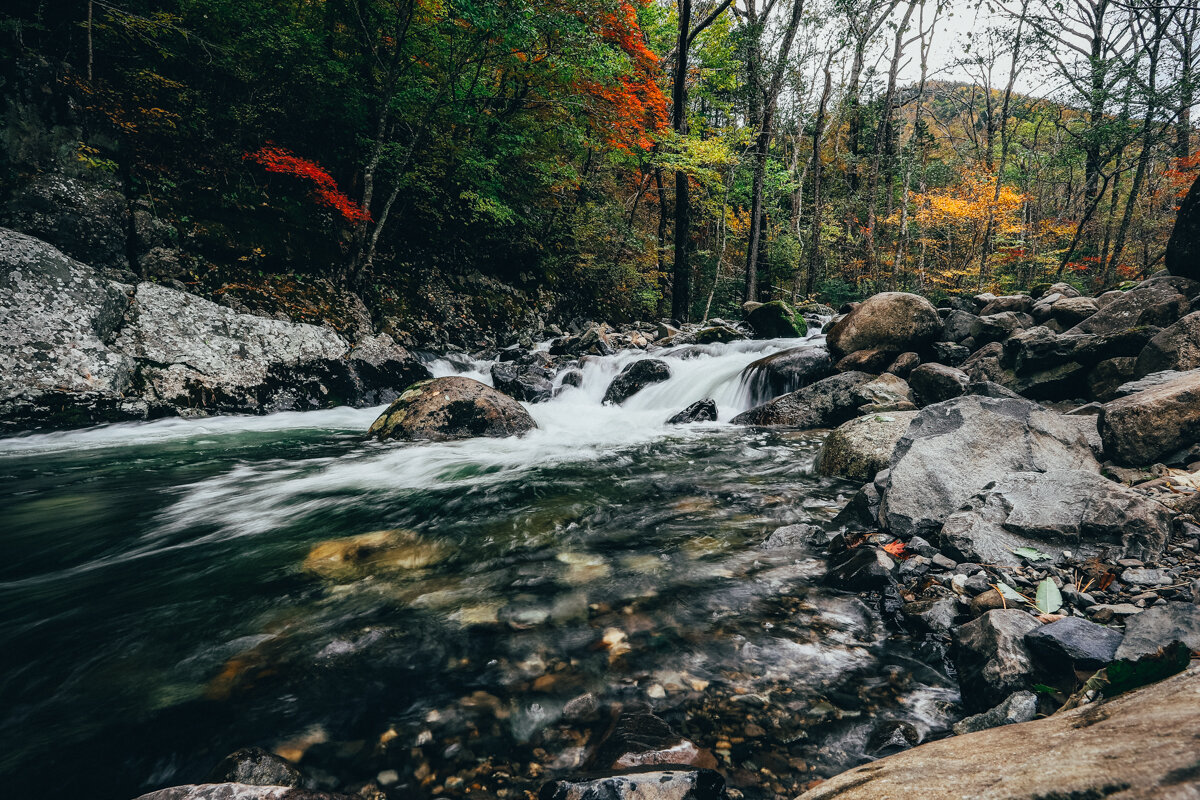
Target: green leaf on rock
x=1049, y=599
x=1009, y=593
x=1032, y=553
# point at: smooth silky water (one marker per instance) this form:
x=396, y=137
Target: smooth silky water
x=157, y=612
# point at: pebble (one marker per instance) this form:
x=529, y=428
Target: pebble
x=1146, y=577
x=941, y=562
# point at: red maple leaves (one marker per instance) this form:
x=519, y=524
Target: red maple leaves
x=325, y=189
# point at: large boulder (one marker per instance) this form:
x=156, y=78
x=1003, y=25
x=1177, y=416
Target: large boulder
x=1183, y=248
x=892, y=321
x=1156, y=301
x=198, y=354
x=933, y=383
x=776, y=320
x=87, y=220
x=862, y=447
x=953, y=449
x=1053, y=511
x=526, y=382
x=827, y=403
x=1175, y=347
x=785, y=371
x=57, y=316
x=451, y=408
x=1139, y=746
x=991, y=658
x=383, y=369
x=634, y=378
x=1143, y=427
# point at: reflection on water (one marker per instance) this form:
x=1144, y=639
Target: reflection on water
x=423, y=616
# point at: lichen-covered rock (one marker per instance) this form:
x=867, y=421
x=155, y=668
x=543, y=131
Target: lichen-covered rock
x=826, y=403
x=862, y=447
x=57, y=318
x=451, y=408
x=1142, y=427
x=953, y=449
x=894, y=321
x=195, y=353
x=634, y=378
x=1053, y=511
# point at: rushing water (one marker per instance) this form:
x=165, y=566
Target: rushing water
x=157, y=610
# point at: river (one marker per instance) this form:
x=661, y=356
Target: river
x=159, y=609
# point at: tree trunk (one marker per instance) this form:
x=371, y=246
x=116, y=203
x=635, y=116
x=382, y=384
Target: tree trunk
x=681, y=270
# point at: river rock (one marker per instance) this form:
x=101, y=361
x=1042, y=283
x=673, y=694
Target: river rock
x=718, y=334
x=799, y=535
x=634, y=378
x=1156, y=301
x=1183, y=248
x=639, y=739
x=197, y=353
x=776, y=320
x=1075, y=643
x=1176, y=347
x=1060, y=509
x=1019, y=707
x=933, y=383
x=991, y=658
x=57, y=316
x=864, y=568
x=827, y=403
x=451, y=408
x=529, y=384
x=1143, y=427
x=875, y=360
x=383, y=369
x=1139, y=746
x=394, y=550
x=933, y=616
x=786, y=371
x=700, y=411
x=255, y=767
x=953, y=449
x=862, y=447
x=668, y=784
x=894, y=321
x=1158, y=628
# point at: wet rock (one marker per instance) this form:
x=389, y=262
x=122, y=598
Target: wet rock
x=1143, y=427
x=240, y=791
x=699, y=784
x=934, y=616
x=893, y=321
x=1175, y=347
x=826, y=403
x=862, y=569
x=1056, y=510
x=634, y=378
x=861, y=512
x=641, y=739
x=57, y=316
x=892, y=736
x=700, y=411
x=394, y=550
x=801, y=535
x=776, y=320
x=1157, y=301
x=529, y=384
x=991, y=658
x=1142, y=742
x=383, y=369
x=933, y=383
x=718, y=334
x=862, y=447
x=255, y=767
x=572, y=377
x=451, y=408
x=786, y=371
x=904, y=364
x=1076, y=642
x=1160, y=627
x=1019, y=707
x=953, y=449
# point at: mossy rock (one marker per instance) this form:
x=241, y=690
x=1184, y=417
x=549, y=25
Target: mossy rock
x=776, y=320
x=718, y=334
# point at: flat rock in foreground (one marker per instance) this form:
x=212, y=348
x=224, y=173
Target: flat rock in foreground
x=1139, y=746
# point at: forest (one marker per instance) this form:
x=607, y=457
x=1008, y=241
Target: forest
x=631, y=159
